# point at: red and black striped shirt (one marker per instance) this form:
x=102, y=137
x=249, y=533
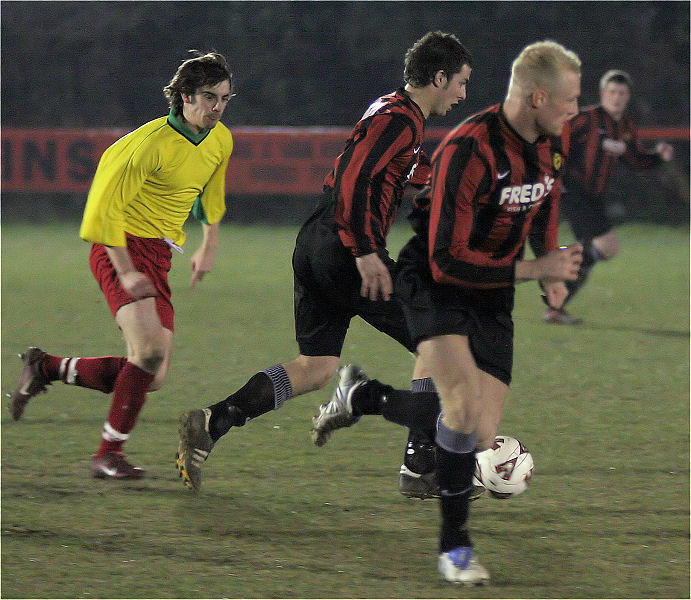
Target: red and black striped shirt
x=490, y=190
x=382, y=155
x=590, y=165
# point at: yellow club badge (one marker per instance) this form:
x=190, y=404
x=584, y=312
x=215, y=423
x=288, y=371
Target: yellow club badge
x=557, y=160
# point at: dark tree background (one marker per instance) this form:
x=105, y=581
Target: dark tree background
x=103, y=64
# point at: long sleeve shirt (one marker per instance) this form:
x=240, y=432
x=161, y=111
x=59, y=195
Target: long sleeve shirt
x=590, y=165
x=382, y=155
x=148, y=181
x=490, y=190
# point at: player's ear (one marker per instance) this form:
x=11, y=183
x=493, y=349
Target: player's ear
x=538, y=98
x=439, y=79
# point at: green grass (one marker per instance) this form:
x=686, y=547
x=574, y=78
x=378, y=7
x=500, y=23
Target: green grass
x=604, y=408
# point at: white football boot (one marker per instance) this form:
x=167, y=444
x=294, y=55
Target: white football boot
x=460, y=566
x=338, y=412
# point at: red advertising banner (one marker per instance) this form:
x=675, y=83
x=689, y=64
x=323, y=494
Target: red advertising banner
x=266, y=160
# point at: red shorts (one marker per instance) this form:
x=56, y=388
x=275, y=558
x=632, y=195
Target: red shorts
x=150, y=256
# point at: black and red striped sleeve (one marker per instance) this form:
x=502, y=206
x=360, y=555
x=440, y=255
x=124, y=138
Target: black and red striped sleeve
x=461, y=182
x=360, y=177
x=422, y=172
x=544, y=231
x=636, y=156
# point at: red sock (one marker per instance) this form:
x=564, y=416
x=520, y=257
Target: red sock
x=129, y=396
x=97, y=373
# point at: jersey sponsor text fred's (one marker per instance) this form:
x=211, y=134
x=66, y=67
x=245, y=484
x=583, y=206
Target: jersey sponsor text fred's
x=521, y=198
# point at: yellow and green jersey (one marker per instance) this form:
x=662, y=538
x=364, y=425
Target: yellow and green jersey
x=148, y=181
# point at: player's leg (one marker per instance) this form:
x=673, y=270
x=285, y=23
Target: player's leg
x=269, y=389
x=587, y=215
x=416, y=474
x=417, y=477
x=494, y=393
x=148, y=348
x=265, y=391
x=320, y=332
x=601, y=247
x=320, y=329
x=40, y=369
x=460, y=386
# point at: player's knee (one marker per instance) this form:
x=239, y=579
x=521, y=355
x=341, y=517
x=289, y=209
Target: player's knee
x=461, y=406
x=315, y=371
x=149, y=358
x=152, y=362
x=460, y=417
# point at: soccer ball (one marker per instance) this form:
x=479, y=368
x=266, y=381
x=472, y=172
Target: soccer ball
x=504, y=469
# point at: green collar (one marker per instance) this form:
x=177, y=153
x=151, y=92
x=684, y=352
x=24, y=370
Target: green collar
x=177, y=124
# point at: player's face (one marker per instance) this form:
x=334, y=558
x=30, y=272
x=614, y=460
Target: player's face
x=561, y=104
x=615, y=97
x=452, y=92
x=203, y=109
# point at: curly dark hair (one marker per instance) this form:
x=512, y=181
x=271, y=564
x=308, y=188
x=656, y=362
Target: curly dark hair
x=202, y=70
x=434, y=51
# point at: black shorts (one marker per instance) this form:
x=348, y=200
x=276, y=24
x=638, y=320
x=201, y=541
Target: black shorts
x=432, y=309
x=327, y=294
x=586, y=213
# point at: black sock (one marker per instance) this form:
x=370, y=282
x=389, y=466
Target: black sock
x=455, y=475
x=420, y=452
x=418, y=411
x=255, y=398
x=369, y=398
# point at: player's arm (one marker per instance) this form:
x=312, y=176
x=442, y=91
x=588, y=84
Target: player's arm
x=461, y=186
x=135, y=283
x=203, y=259
x=119, y=177
x=209, y=209
x=386, y=137
x=552, y=265
x=638, y=158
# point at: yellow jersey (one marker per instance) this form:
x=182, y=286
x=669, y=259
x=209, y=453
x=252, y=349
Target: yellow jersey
x=148, y=181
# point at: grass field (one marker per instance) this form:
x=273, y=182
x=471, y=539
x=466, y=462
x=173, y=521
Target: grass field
x=603, y=407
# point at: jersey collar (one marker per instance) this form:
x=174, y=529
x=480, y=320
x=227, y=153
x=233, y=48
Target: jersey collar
x=182, y=129
x=401, y=92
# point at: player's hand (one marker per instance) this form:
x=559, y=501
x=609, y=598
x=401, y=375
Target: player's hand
x=376, y=279
x=665, y=150
x=202, y=261
x=555, y=293
x=138, y=285
x=561, y=264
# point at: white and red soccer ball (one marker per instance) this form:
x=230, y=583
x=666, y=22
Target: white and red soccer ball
x=505, y=469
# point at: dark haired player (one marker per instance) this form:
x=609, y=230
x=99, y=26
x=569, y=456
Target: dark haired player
x=600, y=135
x=341, y=266
x=144, y=188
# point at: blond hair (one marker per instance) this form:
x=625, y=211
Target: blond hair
x=541, y=64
